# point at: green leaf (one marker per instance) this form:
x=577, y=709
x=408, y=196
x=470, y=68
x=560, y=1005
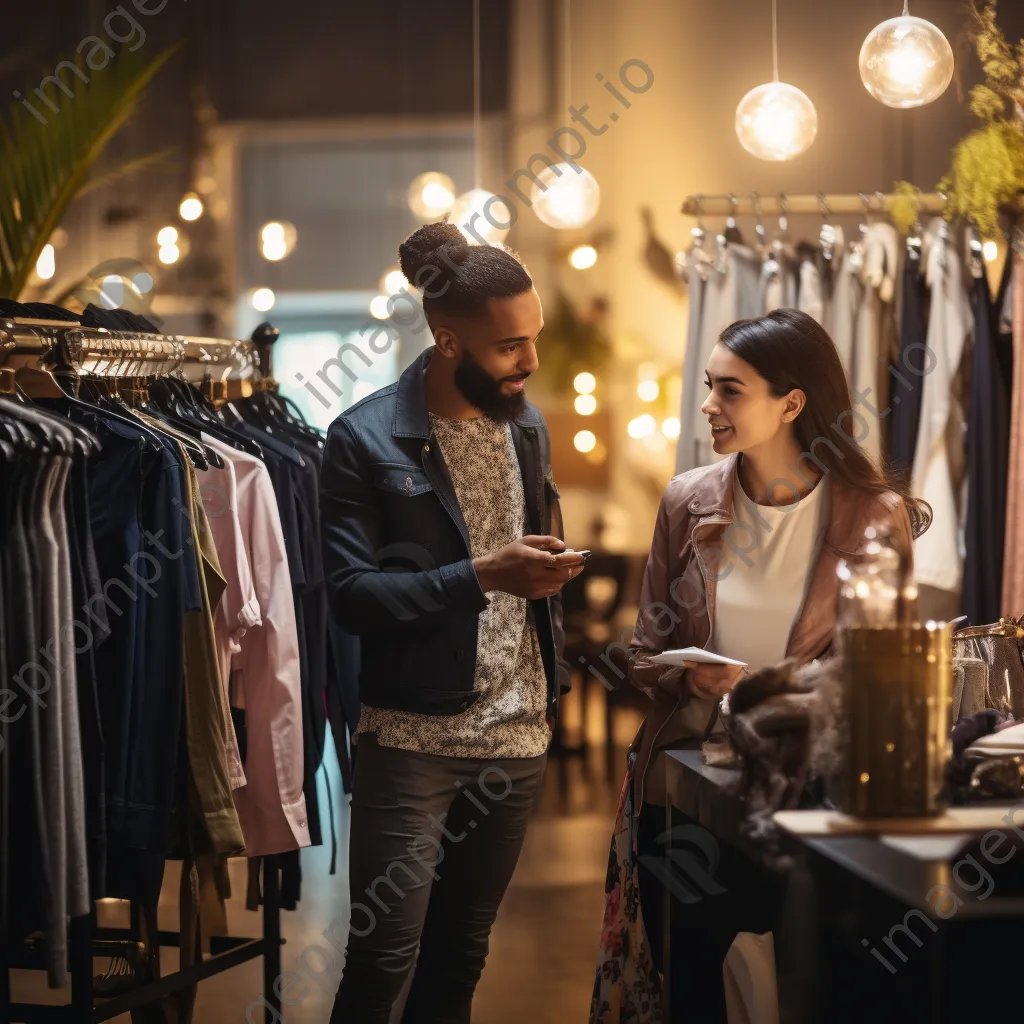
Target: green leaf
x=46, y=165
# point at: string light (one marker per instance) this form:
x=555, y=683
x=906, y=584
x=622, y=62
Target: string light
x=583, y=257
x=431, y=194
x=648, y=390
x=277, y=239
x=906, y=61
x=776, y=121
x=670, y=427
x=584, y=441
x=642, y=426
x=990, y=250
x=167, y=236
x=46, y=264
x=379, y=307
x=584, y=383
x=169, y=254
x=393, y=281
x=263, y=300
x=585, y=405
x=191, y=207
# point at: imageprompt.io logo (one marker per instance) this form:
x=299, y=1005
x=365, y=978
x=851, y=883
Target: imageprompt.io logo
x=687, y=867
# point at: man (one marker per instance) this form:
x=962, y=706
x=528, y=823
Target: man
x=438, y=508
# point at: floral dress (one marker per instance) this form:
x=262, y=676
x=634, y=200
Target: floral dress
x=627, y=988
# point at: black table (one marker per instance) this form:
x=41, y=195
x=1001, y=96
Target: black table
x=865, y=927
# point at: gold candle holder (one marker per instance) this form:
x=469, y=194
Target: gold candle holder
x=897, y=698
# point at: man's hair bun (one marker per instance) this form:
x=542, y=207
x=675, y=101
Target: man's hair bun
x=460, y=278
x=423, y=248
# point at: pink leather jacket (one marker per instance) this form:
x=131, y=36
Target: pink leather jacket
x=677, y=601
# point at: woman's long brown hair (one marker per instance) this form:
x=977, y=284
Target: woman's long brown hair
x=790, y=350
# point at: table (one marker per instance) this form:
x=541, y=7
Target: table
x=866, y=927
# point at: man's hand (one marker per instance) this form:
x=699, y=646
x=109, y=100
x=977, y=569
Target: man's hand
x=711, y=681
x=532, y=567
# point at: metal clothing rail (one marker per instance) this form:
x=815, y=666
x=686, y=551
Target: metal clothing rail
x=820, y=202
x=43, y=344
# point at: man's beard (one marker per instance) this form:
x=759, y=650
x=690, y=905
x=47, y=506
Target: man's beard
x=481, y=390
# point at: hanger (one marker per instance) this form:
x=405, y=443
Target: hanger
x=827, y=234
x=759, y=229
x=855, y=260
x=732, y=231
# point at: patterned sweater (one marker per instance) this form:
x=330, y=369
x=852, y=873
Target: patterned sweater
x=508, y=720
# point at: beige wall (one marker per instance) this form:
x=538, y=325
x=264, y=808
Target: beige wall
x=678, y=138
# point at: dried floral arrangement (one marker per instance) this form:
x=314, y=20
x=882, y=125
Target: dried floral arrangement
x=987, y=171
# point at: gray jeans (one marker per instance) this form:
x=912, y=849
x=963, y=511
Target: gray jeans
x=433, y=844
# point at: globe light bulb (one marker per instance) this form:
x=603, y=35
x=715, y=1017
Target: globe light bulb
x=565, y=196
x=906, y=62
x=263, y=300
x=470, y=213
x=431, y=195
x=776, y=121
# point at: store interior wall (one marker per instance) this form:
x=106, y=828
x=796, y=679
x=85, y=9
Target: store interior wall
x=678, y=138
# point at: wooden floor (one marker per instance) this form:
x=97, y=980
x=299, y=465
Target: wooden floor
x=544, y=943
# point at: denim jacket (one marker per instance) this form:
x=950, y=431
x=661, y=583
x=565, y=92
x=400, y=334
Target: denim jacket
x=397, y=553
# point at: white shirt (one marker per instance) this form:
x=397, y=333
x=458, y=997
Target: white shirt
x=766, y=558
x=767, y=555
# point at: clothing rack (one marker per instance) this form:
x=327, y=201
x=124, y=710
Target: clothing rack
x=225, y=369
x=35, y=349
x=756, y=204
x=820, y=202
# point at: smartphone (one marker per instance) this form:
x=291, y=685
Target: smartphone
x=585, y=554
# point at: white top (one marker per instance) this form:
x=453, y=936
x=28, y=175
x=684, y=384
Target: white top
x=767, y=555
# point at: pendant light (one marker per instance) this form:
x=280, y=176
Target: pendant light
x=776, y=121
x=906, y=61
x=472, y=212
x=431, y=195
x=565, y=195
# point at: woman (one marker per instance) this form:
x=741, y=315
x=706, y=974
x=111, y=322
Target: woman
x=743, y=562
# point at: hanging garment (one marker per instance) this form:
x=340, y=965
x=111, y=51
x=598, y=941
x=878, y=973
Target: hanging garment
x=1013, y=563
x=937, y=555
x=841, y=315
x=988, y=454
x=730, y=294
x=874, y=336
x=811, y=297
x=907, y=388
x=238, y=608
x=266, y=680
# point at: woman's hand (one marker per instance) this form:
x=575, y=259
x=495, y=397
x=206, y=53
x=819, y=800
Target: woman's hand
x=711, y=681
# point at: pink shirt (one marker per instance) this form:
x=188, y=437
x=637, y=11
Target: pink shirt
x=271, y=807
